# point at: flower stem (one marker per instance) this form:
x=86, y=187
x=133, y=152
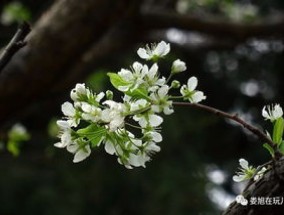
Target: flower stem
x=261, y=135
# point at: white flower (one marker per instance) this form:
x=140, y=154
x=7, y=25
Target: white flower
x=81, y=152
x=189, y=92
x=65, y=134
x=153, y=80
x=133, y=79
x=139, y=159
x=160, y=101
x=154, y=136
x=114, y=115
x=246, y=172
x=152, y=147
x=272, y=113
x=259, y=174
x=148, y=119
x=178, y=66
x=109, y=147
x=79, y=91
x=91, y=112
x=138, y=105
x=100, y=96
x=154, y=52
x=69, y=111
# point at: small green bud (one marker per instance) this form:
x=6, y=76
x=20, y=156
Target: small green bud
x=109, y=94
x=175, y=84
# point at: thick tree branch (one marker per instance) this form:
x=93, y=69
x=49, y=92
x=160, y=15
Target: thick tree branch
x=262, y=136
x=262, y=27
x=58, y=40
x=14, y=45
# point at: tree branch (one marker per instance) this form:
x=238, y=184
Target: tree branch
x=51, y=52
x=15, y=44
x=216, y=26
x=262, y=136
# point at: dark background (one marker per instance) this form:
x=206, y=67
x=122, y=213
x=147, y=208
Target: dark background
x=237, y=73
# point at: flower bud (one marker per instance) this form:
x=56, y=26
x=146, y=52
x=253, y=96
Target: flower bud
x=178, y=66
x=175, y=84
x=109, y=94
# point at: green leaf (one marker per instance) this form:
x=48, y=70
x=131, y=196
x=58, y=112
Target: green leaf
x=139, y=93
x=278, y=131
x=281, y=147
x=15, y=12
x=116, y=80
x=14, y=148
x=93, y=133
x=269, y=148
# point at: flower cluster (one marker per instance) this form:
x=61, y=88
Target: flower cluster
x=272, y=113
x=129, y=129
x=247, y=172
x=275, y=115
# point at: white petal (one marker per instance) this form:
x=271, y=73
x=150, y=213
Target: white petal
x=153, y=71
x=152, y=147
x=183, y=90
x=157, y=137
x=86, y=107
x=198, y=96
x=239, y=178
x=142, y=122
x=82, y=154
x=109, y=147
x=125, y=74
x=243, y=163
x=81, y=88
x=155, y=120
x=192, y=83
x=138, y=160
x=142, y=53
x=72, y=148
x=163, y=91
x=137, y=66
x=100, y=96
x=63, y=124
x=168, y=110
x=161, y=81
x=68, y=109
x=265, y=113
x=66, y=138
x=59, y=145
x=162, y=49
x=277, y=112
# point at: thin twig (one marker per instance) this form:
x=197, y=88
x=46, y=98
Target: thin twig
x=233, y=117
x=14, y=45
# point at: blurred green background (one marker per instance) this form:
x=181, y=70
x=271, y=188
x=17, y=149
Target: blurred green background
x=193, y=172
